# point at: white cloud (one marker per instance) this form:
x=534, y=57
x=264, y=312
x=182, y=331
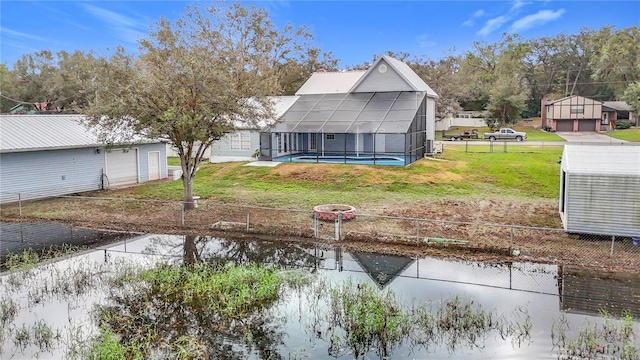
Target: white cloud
x=126, y=28
x=492, y=24
x=424, y=41
x=540, y=18
x=517, y=4
x=476, y=14
x=18, y=34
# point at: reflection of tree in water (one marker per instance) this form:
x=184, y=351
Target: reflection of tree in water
x=215, y=250
x=186, y=309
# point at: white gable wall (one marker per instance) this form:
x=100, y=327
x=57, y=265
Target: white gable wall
x=382, y=78
x=599, y=190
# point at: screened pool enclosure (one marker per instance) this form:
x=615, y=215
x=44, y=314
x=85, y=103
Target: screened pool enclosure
x=383, y=128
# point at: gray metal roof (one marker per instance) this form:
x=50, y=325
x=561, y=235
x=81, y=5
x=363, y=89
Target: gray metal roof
x=31, y=132
x=44, y=132
x=602, y=159
x=280, y=104
x=382, y=112
x=330, y=82
x=618, y=105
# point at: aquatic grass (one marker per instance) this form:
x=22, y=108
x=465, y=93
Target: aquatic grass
x=107, y=347
x=359, y=318
x=8, y=311
x=613, y=339
x=192, y=310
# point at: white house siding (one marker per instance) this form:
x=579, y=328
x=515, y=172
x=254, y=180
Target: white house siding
x=599, y=189
x=36, y=174
x=603, y=204
x=448, y=122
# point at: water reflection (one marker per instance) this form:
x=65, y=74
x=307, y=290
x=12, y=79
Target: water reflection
x=590, y=291
x=514, y=291
x=15, y=237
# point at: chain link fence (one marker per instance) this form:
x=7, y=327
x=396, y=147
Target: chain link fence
x=525, y=243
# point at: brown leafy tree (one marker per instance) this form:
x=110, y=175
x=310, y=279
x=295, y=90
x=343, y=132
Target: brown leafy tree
x=195, y=79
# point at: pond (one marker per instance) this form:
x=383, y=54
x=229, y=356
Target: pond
x=428, y=307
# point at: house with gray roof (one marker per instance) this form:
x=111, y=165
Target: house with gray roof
x=384, y=115
x=599, y=190
x=52, y=155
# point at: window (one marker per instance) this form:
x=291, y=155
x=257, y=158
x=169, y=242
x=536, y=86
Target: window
x=240, y=140
x=331, y=136
x=312, y=142
x=577, y=109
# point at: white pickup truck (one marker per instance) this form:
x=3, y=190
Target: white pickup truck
x=506, y=134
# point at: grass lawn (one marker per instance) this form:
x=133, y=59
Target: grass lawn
x=523, y=176
x=532, y=134
x=632, y=134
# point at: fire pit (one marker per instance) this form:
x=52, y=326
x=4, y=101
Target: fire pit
x=329, y=212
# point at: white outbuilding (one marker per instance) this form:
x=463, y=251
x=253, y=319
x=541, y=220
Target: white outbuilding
x=600, y=189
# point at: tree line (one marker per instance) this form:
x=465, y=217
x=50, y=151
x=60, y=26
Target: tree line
x=507, y=79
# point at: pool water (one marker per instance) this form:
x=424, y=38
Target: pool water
x=364, y=159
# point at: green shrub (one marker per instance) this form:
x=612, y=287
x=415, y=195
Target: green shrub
x=623, y=124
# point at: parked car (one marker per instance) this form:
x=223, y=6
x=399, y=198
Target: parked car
x=506, y=134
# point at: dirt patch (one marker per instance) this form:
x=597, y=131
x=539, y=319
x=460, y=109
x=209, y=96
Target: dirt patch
x=491, y=211
x=322, y=173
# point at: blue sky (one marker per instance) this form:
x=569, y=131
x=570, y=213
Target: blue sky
x=353, y=30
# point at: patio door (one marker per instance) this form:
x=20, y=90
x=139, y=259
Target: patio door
x=313, y=142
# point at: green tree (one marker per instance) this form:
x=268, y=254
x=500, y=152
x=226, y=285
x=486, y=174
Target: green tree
x=444, y=78
x=617, y=60
x=294, y=72
x=194, y=80
x=496, y=72
x=7, y=89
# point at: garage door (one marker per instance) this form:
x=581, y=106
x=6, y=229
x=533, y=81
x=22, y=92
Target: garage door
x=564, y=125
x=587, y=125
x=122, y=166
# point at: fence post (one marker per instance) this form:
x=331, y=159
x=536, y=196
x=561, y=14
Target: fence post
x=417, y=231
x=613, y=240
x=248, y=214
x=490, y=146
x=338, y=227
x=182, y=213
x=19, y=205
x=505, y=146
x=315, y=224
x=511, y=241
x=123, y=211
x=466, y=146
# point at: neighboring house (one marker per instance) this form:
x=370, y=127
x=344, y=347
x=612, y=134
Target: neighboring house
x=462, y=119
x=578, y=113
x=599, y=189
x=244, y=143
x=385, y=110
x=619, y=110
x=51, y=155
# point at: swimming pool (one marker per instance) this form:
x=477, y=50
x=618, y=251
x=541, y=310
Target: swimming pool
x=365, y=159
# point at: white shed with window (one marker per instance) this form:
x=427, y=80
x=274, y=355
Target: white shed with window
x=600, y=189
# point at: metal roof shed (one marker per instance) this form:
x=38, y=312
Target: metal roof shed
x=45, y=155
x=600, y=189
